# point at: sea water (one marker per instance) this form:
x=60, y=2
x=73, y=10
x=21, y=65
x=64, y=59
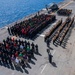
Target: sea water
x=13, y=10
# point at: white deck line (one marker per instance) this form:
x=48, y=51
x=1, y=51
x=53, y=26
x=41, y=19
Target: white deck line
x=41, y=35
x=53, y=52
x=13, y=73
x=43, y=68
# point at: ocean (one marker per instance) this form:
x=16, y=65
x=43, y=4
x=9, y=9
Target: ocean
x=13, y=10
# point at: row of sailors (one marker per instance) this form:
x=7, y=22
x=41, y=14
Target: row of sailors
x=48, y=34
x=58, y=28
x=36, y=23
x=66, y=12
x=64, y=31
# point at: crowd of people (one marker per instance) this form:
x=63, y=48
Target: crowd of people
x=30, y=27
x=65, y=12
x=17, y=51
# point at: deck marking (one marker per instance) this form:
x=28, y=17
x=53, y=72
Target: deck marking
x=43, y=68
x=13, y=73
x=6, y=27
x=66, y=4
x=41, y=35
x=53, y=52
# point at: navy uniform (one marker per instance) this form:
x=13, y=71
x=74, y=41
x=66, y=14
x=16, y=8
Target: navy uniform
x=28, y=43
x=36, y=48
x=32, y=47
x=48, y=51
x=50, y=58
x=48, y=42
x=9, y=31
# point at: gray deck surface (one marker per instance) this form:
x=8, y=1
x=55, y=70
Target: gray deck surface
x=64, y=59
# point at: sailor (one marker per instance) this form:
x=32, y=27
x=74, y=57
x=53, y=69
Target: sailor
x=50, y=58
x=48, y=51
x=48, y=42
x=36, y=48
x=9, y=31
x=28, y=43
x=33, y=49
